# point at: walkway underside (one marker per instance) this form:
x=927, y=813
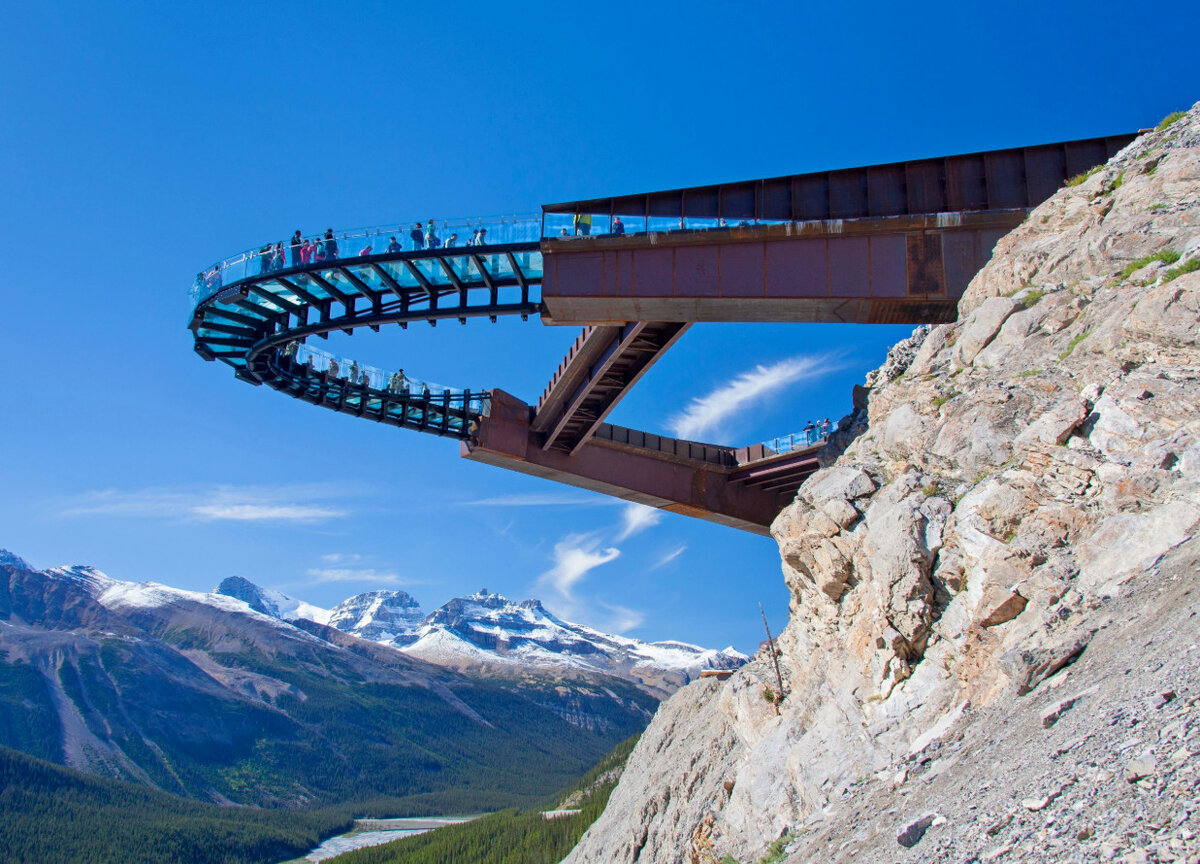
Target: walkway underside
x=684, y=477
x=602, y=366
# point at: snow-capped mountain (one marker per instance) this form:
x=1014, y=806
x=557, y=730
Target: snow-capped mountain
x=191, y=692
x=391, y=617
x=490, y=630
x=271, y=602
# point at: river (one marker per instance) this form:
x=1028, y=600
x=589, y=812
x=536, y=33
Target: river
x=372, y=832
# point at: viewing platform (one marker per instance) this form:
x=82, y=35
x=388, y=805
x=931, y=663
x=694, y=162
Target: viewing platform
x=894, y=243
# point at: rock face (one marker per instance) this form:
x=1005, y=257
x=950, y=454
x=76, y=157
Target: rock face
x=1007, y=522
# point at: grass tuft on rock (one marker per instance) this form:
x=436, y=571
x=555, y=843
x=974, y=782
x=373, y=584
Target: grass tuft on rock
x=1167, y=256
x=1169, y=119
x=1190, y=266
x=1079, y=178
x=1074, y=343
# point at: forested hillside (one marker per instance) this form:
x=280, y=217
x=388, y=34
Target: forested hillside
x=510, y=836
x=55, y=814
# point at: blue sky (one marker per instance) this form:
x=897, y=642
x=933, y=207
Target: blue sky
x=141, y=143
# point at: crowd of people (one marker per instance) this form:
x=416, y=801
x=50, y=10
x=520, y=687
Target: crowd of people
x=300, y=251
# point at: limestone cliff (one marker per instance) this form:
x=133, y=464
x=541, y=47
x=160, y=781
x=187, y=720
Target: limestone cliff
x=1005, y=526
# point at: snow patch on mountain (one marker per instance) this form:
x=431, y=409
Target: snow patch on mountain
x=490, y=629
x=9, y=559
x=271, y=602
x=391, y=617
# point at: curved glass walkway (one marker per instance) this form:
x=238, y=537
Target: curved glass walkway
x=255, y=311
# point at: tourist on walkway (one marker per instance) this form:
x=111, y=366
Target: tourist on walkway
x=583, y=224
x=279, y=260
x=392, y=246
x=482, y=237
x=431, y=238
x=297, y=244
x=418, y=236
x=331, y=249
x=452, y=241
x=826, y=428
x=809, y=430
x=366, y=250
x=618, y=227
x=318, y=252
x=307, y=251
x=264, y=259
x=398, y=383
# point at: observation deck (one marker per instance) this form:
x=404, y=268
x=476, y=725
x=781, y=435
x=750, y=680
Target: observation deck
x=891, y=243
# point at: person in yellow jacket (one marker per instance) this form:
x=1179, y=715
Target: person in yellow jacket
x=583, y=223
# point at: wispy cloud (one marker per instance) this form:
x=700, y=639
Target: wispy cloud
x=707, y=414
x=297, y=503
x=669, y=556
x=542, y=499
x=621, y=619
x=575, y=556
x=322, y=575
x=636, y=518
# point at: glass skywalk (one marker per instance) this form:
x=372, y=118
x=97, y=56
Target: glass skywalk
x=255, y=310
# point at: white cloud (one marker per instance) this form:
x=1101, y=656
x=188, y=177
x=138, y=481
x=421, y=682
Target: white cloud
x=669, y=556
x=636, y=518
x=707, y=414
x=321, y=575
x=299, y=503
x=575, y=556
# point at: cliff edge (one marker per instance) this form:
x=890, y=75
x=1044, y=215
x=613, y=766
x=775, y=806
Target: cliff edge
x=992, y=652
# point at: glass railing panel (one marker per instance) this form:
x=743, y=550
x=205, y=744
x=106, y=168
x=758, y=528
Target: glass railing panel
x=339, y=282
x=311, y=286
x=431, y=270
x=281, y=290
x=401, y=274
x=530, y=264
x=280, y=254
x=367, y=274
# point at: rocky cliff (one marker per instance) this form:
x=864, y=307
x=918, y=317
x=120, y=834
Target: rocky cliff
x=992, y=652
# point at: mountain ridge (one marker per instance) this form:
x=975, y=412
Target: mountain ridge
x=200, y=695
x=487, y=632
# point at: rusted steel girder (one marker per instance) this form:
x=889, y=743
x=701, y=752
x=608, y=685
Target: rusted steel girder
x=679, y=476
x=901, y=270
